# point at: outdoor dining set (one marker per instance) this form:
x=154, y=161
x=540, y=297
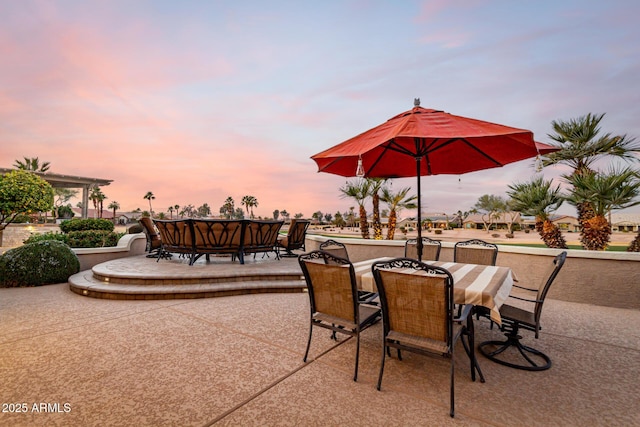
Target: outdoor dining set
x=426, y=305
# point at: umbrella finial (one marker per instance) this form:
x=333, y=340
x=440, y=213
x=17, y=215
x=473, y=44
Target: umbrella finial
x=416, y=102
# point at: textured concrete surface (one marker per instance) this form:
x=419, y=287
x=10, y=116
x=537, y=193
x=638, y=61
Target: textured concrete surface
x=70, y=360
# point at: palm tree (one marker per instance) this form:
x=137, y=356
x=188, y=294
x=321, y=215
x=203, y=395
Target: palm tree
x=580, y=146
x=375, y=185
x=537, y=198
x=149, y=196
x=397, y=202
x=97, y=197
x=249, y=202
x=115, y=206
x=359, y=191
x=604, y=192
x=170, y=209
x=32, y=164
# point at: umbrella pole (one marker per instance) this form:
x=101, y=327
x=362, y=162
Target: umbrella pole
x=419, y=242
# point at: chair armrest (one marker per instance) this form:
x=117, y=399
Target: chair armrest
x=524, y=299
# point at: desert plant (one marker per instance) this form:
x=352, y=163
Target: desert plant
x=37, y=264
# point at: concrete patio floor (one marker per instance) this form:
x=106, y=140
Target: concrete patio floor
x=238, y=361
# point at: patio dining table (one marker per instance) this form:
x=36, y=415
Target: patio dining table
x=483, y=285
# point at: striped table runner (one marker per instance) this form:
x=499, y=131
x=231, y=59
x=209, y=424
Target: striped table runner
x=484, y=285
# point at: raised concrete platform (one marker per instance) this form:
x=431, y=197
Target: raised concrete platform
x=140, y=277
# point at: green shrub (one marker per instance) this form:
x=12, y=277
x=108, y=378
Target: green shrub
x=79, y=224
x=92, y=238
x=49, y=235
x=134, y=228
x=23, y=219
x=36, y=264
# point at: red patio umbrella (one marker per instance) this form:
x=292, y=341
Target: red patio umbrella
x=423, y=142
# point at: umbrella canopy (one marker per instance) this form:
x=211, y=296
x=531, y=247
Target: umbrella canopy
x=424, y=141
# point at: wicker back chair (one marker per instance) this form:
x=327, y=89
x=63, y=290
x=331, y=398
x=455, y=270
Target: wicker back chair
x=333, y=297
x=295, y=237
x=475, y=251
x=516, y=318
x=154, y=242
x=418, y=313
x=430, y=249
x=334, y=248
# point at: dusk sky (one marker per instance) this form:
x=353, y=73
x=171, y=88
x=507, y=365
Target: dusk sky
x=200, y=100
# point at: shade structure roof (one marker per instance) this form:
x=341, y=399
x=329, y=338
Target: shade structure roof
x=445, y=143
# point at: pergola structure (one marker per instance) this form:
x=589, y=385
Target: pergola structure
x=68, y=181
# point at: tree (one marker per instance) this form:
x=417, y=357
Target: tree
x=285, y=215
x=351, y=216
x=460, y=216
x=299, y=215
x=581, y=145
x=22, y=192
x=328, y=217
x=317, y=216
x=397, y=202
x=359, y=191
x=32, y=164
x=228, y=208
x=276, y=214
x=375, y=185
x=604, y=192
x=238, y=214
x=338, y=220
x=490, y=207
x=249, y=203
x=539, y=199
x=170, y=209
x=114, y=206
x=97, y=197
x=149, y=196
x=62, y=196
x=204, y=210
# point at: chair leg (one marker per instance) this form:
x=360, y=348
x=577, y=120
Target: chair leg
x=452, y=390
x=355, y=374
x=306, y=353
x=385, y=349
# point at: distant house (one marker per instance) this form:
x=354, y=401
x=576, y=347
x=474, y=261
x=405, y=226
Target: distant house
x=566, y=222
x=502, y=222
x=625, y=222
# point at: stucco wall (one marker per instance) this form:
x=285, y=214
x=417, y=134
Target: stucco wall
x=128, y=245
x=600, y=278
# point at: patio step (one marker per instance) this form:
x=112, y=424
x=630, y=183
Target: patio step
x=84, y=283
x=144, y=279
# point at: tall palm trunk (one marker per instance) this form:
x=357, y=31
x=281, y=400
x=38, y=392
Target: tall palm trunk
x=550, y=234
x=364, y=225
x=585, y=214
x=595, y=233
x=377, y=226
x=393, y=219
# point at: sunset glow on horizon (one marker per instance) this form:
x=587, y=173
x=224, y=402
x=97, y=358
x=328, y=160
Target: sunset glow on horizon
x=199, y=101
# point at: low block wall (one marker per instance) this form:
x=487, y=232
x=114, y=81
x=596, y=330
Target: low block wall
x=128, y=245
x=609, y=279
